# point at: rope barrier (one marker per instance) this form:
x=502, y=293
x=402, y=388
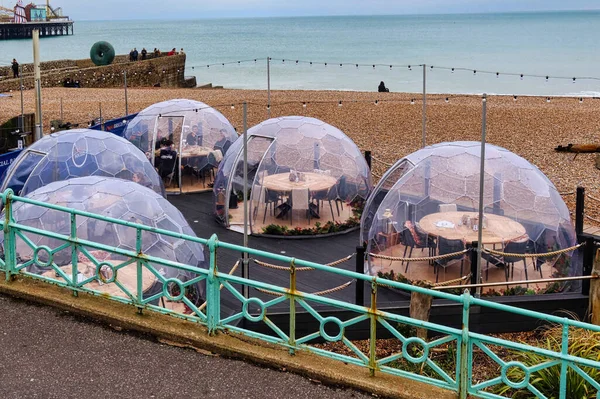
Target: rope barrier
x=300, y=269
x=539, y=255
x=450, y=282
x=382, y=162
x=568, y=193
x=425, y=258
x=319, y=293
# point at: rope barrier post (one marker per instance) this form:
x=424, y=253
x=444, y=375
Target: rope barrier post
x=360, y=268
x=473, y=256
x=61, y=109
x=589, y=253
x=579, y=210
x=368, y=158
x=595, y=290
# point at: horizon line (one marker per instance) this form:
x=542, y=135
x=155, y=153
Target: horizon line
x=343, y=15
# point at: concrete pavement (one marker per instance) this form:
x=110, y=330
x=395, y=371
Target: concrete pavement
x=49, y=353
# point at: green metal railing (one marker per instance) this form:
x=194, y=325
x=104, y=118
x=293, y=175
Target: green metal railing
x=415, y=356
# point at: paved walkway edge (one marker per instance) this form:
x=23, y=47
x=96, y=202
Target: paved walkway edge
x=231, y=345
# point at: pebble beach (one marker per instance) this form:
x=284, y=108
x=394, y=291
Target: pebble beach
x=388, y=124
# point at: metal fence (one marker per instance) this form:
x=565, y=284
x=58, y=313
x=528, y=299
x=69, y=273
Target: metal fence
x=415, y=360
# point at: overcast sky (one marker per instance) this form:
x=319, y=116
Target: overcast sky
x=190, y=9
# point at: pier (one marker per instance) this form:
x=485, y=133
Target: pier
x=46, y=28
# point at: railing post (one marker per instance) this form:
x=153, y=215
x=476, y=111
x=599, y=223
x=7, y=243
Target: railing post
x=74, y=257
x=595, y=291
x=138, y=250
x=213, y=300
x=373, y=330
x=564, y=365
x=10, y=245
x=368, y=158
x=589, y=252
x=360, y=268
x=473, y=255
x=579, y=210
x=464, y=373
x=292, y=339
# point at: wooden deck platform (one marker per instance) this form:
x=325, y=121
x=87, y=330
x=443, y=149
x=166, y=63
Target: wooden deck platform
x=198, y=210
x=593, y=230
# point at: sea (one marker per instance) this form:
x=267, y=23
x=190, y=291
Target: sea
x=463, y=53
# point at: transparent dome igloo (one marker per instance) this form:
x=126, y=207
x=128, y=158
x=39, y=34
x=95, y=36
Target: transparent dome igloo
x=115, y=198
x=432, y=209
x=300, y=171
x=184, y=139
x=78, y=153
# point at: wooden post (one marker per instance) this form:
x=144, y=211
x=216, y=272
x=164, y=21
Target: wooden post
x=579, y=210
x=420, y=308
x=595, y=291
x=368, y=158
x=360, y=268
x=473, y=260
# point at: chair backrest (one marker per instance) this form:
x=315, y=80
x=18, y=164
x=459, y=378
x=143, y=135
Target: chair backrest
x=299, y=198
x=515, y=247
x=446, y=246
x=447, y=208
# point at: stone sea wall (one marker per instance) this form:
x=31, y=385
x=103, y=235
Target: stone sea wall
x=166, y=71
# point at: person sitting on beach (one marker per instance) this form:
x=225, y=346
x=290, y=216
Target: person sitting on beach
x=172, y=52
x=144, y=53
x=156, y=53
x=192, y=138
x=382, y=88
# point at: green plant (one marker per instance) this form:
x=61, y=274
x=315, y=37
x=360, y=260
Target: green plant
x=328, y=227
x=582, y=343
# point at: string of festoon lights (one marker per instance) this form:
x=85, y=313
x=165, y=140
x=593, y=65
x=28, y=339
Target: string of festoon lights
x=339, y=103
x=410, y=67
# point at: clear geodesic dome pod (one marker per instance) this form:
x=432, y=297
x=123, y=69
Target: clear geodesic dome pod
x=433, y=209
x=301, y=171
x=78, y=153
x=119, y=199
x=387, y=181
x=184, y=139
